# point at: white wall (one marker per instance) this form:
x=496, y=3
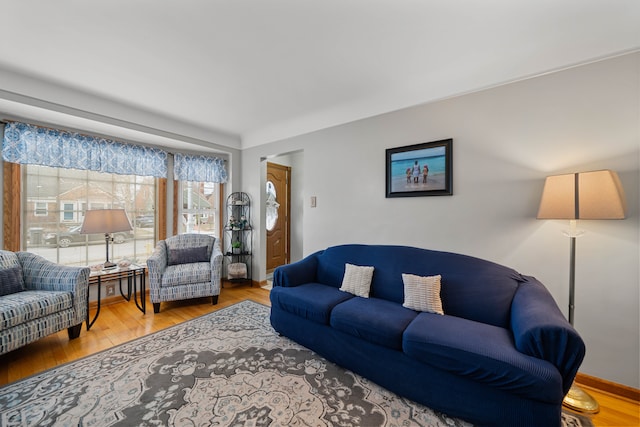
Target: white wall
x=505, y=141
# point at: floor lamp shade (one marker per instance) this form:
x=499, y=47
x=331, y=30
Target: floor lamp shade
x=583, y=195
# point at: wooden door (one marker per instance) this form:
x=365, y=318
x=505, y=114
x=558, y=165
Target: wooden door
x=277, y=215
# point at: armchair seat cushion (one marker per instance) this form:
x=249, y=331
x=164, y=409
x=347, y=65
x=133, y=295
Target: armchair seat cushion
x=186, y=274
x=25, y=306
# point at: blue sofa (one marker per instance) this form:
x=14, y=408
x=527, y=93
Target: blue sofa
x=501, y=355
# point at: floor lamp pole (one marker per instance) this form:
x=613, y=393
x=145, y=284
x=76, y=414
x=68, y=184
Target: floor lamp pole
x=572, y=279
x=577, y=399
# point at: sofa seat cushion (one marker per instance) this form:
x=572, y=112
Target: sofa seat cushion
x=482, y=352
x=25, y=306
x=312, y=301
x=186, y=274
x=376, y=320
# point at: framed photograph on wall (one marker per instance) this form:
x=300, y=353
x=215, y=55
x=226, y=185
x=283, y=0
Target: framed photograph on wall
x=420, y=170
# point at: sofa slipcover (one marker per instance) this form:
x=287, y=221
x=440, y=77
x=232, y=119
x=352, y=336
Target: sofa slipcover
x=501, y=355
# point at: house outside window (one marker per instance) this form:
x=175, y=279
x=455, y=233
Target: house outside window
x=56, y=200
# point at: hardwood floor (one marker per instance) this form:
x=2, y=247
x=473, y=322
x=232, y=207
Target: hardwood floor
x=120, y=322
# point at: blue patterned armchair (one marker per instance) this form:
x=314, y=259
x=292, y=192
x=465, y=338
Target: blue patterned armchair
x=183, y=267
x=39, y=298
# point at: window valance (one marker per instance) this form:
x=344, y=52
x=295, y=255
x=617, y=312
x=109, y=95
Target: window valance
x=29, y=144
x=199, y=168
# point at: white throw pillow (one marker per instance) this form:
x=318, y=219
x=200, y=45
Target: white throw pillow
x=422, y=293
x=357, y=280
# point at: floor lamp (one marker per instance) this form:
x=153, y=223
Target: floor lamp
x=582, y=195
x=105, y=221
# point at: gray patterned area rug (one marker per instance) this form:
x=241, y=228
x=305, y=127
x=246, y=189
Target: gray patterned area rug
x=227, y=368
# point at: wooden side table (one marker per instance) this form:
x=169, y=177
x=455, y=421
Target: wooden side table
x=130, y=273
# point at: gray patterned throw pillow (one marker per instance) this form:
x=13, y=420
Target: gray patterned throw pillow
x=11, y=280
x=187, y=255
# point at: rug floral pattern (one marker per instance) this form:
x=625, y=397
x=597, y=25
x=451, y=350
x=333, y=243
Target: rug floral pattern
x=228, y=368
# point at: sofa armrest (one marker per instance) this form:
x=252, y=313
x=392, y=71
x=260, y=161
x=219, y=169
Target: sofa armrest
x=541, y=330
x=41, y=274
x=298, y=273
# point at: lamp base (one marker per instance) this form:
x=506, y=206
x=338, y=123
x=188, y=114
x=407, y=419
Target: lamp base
x=581, y=401
x=109, y=265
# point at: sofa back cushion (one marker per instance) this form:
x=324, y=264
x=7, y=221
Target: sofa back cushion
x=471, y=288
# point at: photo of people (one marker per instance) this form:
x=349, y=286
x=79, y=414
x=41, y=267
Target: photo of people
x=418, y=170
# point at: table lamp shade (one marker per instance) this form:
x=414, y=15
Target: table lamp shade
x=583, y=195
x=105, y=221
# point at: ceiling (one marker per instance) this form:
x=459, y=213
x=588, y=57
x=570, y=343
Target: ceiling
x=240, y=73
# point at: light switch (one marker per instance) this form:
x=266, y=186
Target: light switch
x=313, y=201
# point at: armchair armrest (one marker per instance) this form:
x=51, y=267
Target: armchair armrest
x=157, y=262
x=41, y=274
x=541, y=330
x=298, y=273
x=216, y=261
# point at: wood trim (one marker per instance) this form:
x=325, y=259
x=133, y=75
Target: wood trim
x=221, y=215
x=162, y=209
x=617, y=389
x=11, y=206
x=176, y=184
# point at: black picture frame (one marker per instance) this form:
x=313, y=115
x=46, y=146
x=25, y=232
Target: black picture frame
x=401, y=178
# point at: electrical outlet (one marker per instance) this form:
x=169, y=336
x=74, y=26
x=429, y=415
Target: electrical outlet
x=111, y=290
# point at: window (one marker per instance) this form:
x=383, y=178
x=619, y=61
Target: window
x=199, y=208
x=68, y=212
x=40, y=209
x=55, y=200
x=271, y=207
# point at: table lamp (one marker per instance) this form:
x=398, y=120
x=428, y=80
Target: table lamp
x=574, y=196
x=105, y=221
